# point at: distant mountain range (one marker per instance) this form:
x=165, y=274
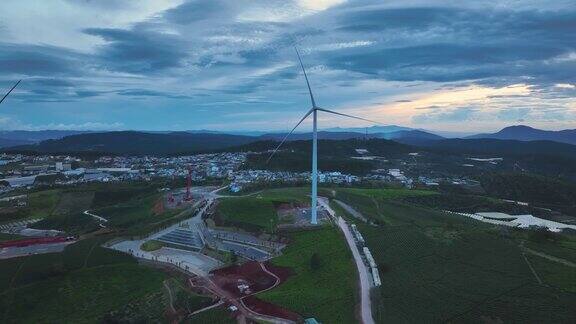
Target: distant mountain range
x=361, y=130
x=526, y=133
x=160, y=143
x=514, y=139
x=8, y=142
x=501, y=148
x=369, y=130
x=137, y=143
x=29, y=137
x=408, y=136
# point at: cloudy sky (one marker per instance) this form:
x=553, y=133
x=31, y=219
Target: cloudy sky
x=214, y=64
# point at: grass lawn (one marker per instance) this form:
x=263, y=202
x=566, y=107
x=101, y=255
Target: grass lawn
x=9, y=237
x=327, y=293
x=137, y=215
x=67, y=215
x=384, y=193
x=257, y=212
x=42, y=203
x=372, y=202
x=130, y=213
x=74, y=202
x=80, y=296
x=565, y=248
x=554, y=274
x=86, y=282
x=79, y=285
x=17, y=272
x=151, y=245
x=128, y=207
x=298, y=194
x=444, y=268
x=248, y=212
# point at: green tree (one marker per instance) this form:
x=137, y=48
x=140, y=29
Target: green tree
x=315, y=261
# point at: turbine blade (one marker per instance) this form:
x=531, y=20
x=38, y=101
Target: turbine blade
x=306, y=77
x=13, y=87
x=285, y=137
x=349, y=116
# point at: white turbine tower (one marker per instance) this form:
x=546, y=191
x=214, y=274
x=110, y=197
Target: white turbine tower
x=314, y=112
x=9, y=91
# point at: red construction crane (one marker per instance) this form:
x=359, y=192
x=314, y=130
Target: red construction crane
x=188, y=184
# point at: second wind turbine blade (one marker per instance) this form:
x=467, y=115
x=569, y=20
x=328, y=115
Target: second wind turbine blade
x=306, y=77
x=9, y=91
x=285, y=137
x=349, y=116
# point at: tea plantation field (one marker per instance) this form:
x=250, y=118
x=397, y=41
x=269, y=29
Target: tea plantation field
x=327, y=292
x=444, y=268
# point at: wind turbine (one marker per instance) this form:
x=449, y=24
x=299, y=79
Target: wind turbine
x=9, y=91
x=314, y=112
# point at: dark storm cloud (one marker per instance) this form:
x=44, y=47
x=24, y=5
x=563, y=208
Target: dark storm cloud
x=88, y=93
x=442, y=62
x=105, y=4
x=201, y=39
x=150, y=93
x=458, y=43
x=136, y=51
x=370, y=20
x=38, y=60
x=50, y=82
x=250, y=85
x=197, y=10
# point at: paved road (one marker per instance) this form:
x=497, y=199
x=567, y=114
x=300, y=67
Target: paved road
x=365, y=280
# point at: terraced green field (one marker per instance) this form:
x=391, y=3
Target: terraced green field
x=444, y=268
x=564, y=248
x=328, y=292
x=297, y=194
x=9, y=237
x=79, y=296
x=251, y=213
x=79, y=285
x=42, y=203
x=372, y=202
x=39, y=205
x=88, y=283
x=257, y=212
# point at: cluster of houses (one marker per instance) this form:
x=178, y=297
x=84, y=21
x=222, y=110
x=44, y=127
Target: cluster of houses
x=27, y=171
x=200, y=166
x=242, y=179
x=19, y=170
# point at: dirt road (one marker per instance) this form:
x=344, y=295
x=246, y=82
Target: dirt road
x=351, y=210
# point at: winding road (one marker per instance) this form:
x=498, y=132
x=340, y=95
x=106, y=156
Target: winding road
x=365, y=281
